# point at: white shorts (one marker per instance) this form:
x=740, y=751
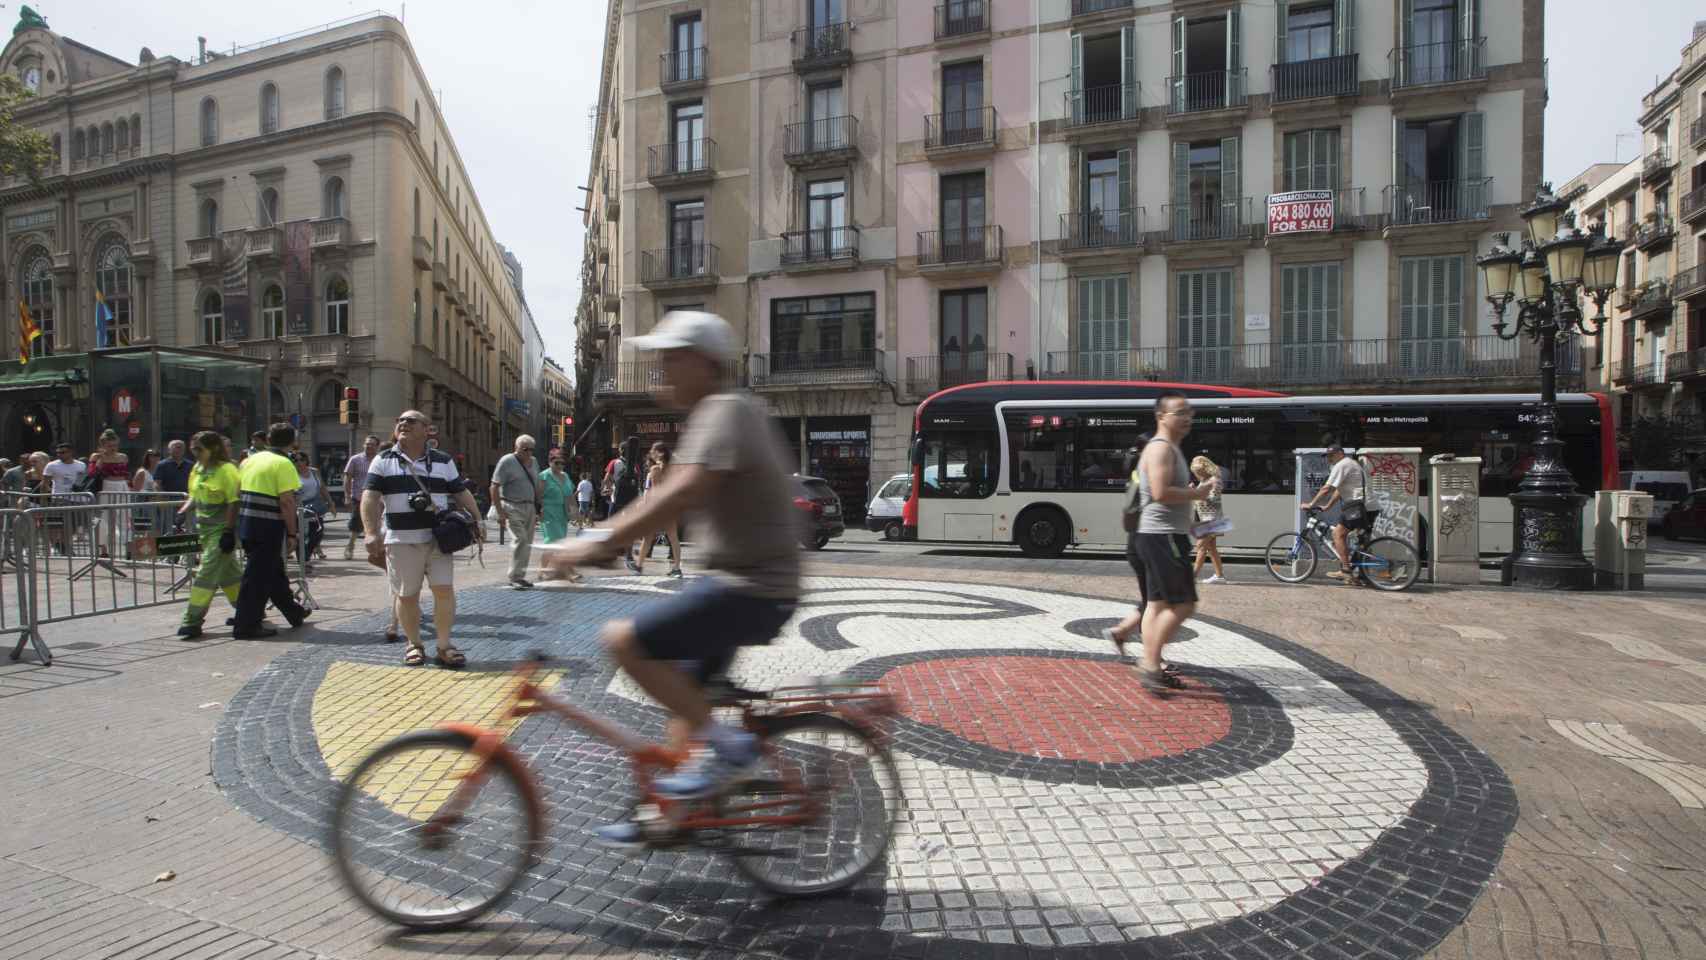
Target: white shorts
x=406, y=564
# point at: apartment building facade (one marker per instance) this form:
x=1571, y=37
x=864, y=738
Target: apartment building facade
x=1277, y=195
x=299, y=202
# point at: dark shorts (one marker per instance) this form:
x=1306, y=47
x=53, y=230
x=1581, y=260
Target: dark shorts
x=1162, y=562
x=355, y=528
x=706, y=622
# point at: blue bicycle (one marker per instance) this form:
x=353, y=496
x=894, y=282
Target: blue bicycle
x=1384, y=563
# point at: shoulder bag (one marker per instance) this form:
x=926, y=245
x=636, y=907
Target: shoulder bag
x=452, y=527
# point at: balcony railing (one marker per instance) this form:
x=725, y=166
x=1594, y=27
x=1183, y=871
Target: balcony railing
x=636, y=378
x=1690, y=282
x=1448, y=61
x=822, y=46
x=680, y=68
x=1650, y=298
x=1621, y=371
x=1223, y=220
x=822, y=139
x=820, y=245
x=679, y=265
x=205, y=251
x=928, y=374
x=1438, y=201
x=1215, y=90
x=964, y=245
x=1647, y=374
x=1476, y=358
x=1686, y=364
x=1312, y=79
x=330, y=232
x=1114, y=103
x=1653, y=233
x=682, y=160
x=817, y=367
x=1657, y=163
x=1693, y=204
x=1082, y=8
x=1101, y=230
x=1304, y=212
x=1697, y=131
x=264, y=243
x=422, y=252
x=961, y=18
x=960, y=129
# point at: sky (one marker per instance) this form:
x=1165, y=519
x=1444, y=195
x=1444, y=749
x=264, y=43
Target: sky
x=1604, y=58
x=515, y=80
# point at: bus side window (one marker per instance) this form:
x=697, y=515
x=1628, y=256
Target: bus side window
x=960, y=465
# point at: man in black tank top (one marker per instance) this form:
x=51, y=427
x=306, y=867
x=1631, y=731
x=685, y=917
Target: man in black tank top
x=1168, y=585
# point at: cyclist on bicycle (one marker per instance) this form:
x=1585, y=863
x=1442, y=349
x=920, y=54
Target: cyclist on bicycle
x=730, y=469
x=1344, y=485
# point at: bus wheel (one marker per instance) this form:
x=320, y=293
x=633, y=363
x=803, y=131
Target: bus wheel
x=1043, y=533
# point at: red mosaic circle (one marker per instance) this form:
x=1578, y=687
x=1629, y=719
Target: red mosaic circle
x=1067, y=709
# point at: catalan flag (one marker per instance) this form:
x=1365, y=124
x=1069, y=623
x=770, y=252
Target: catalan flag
x=27, y=332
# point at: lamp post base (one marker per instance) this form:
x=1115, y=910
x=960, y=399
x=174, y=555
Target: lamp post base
x=1548, y=553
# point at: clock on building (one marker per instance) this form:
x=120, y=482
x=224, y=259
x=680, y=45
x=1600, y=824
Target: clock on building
x=32, y=78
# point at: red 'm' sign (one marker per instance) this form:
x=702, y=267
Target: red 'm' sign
x=124, y=403
x=1300, y=211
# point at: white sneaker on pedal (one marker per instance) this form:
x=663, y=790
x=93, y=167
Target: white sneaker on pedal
x=712, y=771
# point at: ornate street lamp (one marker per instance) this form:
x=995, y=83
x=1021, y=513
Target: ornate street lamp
x=1557, y=269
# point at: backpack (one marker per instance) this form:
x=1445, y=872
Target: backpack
x=626, y=486
x=1133, y=508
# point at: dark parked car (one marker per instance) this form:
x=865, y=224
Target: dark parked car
x=820, y=511
x=1687, y=518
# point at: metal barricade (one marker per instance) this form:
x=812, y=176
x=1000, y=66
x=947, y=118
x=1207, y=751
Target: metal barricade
x=83, y=555
x=14, y=612
x=304, y=595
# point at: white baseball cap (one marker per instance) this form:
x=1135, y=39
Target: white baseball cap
x=697, y=330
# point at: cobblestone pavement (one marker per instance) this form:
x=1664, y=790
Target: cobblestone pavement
x=1443, y=773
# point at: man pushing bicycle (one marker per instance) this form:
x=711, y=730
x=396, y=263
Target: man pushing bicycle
x=730, y=470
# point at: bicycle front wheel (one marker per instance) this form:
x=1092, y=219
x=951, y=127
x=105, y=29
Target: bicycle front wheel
x=1290, y=558
x=405, y=857
x=1391, y=564
x=820, y=812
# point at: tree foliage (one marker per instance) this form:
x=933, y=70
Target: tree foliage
x=1656, y=443
x=24, y=152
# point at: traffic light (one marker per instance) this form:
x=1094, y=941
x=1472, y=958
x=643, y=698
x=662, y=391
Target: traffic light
x=349, y=408
x=557, y=435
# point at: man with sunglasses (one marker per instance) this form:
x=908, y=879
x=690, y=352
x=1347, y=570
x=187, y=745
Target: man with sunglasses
x=731, y=471
x=407, y=486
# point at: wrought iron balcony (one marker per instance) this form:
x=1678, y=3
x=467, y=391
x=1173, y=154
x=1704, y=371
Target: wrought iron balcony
x=1431, y=64
x=1438, y=201
x=681, y=162
x=1657, y=164
x=1693, y=204
x=927, y=374
x=1214, y=90
x=967, y=246
x=960, y=131
x=680, y=265
x=1083, y=8
x=961, y=18
x=1305, y=212
x=681, y=69
x=1649, y=299
x=1102, y=231
x=820, y=245
x=1622, y=371
x=1094, y=106
x=813, y=368
x=1686, y=365
x=822, y=47
x=1314, y=79
x=826, y=140
x=1655, y=233
x=1224, y=220
x=1690, y=282
x=1643, y=375
x=640, y=378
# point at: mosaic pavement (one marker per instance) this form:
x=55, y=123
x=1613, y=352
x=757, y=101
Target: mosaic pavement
x=1281, y=806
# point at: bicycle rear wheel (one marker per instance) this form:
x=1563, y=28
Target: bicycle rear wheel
x=1290, y=558
x=1393, y=564
x=392, y=854
x=844, y=787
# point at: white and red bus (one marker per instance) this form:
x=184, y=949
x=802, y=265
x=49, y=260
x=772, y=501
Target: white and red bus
x=1039, y=463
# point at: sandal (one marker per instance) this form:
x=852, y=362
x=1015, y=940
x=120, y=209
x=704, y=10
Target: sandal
x=414, y=657
x=1119, y=645
x=450, y=658
x=391, y=635
x=1159, y=682
x=575, y=578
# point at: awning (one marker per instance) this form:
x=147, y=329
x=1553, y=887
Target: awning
x=29, y=379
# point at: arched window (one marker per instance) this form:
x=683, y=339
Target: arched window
x=121, y=134
x=435, y=325
x=36, y=288
x=337, y=305
x=136, y=131
x=435, y=238
x=210, y=217
x=267, y=215
x=212, y=319
x=56, y=155
x=334, y=93
x=415, y=314
x=334, y=205
x=269, y=108
x=78, y=140
x=106, y=138
x=209, y=122
x=417, y=211
x=272, y=313
x=112, y=279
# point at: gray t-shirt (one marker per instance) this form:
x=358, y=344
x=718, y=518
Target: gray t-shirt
x=751, y=527
x=515, y=481
x=1164, y=517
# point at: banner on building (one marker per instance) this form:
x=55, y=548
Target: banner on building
x=298, y=278
x=1300, y=211
x=235, y=286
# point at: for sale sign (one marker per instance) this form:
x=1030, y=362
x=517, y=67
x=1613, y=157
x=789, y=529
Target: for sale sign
x=1300, y=211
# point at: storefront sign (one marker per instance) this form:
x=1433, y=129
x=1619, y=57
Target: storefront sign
x=1300, y=211
x=655, y=428
x=124, y=404
x=833, y=435
x=25, y=221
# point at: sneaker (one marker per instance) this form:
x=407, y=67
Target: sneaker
x=1339, y=574
x=711, y=772
x=622, y=835
x=189, y=631
x=1214, y=578
x=675, y=572
x=632, y=566
x=521, y=584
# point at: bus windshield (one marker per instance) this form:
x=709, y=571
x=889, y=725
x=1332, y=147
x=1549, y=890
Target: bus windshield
x=960, y=464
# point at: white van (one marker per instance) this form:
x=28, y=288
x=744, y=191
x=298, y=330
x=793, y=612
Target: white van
x=884, y=513
x=1668, y=488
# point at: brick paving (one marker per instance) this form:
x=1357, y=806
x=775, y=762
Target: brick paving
x=1590, y=706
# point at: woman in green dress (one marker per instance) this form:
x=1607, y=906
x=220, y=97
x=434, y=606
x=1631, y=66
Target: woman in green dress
x=214, y=487
x=558, y=496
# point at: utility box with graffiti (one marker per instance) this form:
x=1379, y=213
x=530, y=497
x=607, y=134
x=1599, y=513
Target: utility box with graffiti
x=1454, y=503
x=1395, y=491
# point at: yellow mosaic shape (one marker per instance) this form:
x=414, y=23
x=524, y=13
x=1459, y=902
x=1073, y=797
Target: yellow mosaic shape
x=358, y=707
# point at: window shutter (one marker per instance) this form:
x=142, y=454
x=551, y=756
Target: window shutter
x=1128, y=71
x=1406, y=20
x=1122, y=328
x=1474, y=165
x=1181, y=187
x=1234, y=56
x=1451, y=306
x=1281, y=9
x=1344, y=27
x=1398, y=185
x=1178, y=91
x=1231, y=187
x=1077, y=78
x=1327, y=160
x=1471, y=24
x=1127, y=202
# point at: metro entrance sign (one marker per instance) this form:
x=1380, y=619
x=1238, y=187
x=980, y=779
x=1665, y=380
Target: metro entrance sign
x=1300, y=211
